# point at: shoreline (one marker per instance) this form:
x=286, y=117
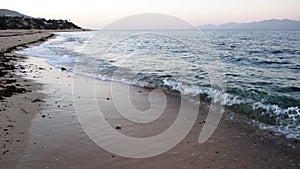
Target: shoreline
x=19, y=96
x=235, y=144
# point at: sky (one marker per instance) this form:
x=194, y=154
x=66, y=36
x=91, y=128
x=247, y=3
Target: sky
x=99, y=13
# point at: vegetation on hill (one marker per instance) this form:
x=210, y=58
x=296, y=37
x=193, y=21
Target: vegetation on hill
x=8, y=22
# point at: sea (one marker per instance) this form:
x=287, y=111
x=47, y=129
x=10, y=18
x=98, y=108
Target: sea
x=255, y=73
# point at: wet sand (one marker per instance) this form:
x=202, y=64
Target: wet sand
x=50, y=135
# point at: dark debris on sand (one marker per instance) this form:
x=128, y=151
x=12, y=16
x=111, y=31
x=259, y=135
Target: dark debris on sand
x=8, y=79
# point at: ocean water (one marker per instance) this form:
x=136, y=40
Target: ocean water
x=251, y=72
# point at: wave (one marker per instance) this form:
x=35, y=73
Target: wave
x=254, y=104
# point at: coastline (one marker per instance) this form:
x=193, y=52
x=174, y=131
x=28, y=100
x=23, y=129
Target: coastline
x=19, y=96
x=234, y=145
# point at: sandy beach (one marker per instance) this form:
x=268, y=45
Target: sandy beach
x=39, y=127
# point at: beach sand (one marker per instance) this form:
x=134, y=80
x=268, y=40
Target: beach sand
x=40, y=128
x=19, y=98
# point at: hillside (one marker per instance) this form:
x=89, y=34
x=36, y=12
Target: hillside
x=15, y=20
x=7, y=12
x=34, y=23
x=273, y=24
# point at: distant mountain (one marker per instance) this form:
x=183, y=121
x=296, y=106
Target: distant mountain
x=7, y=12
x=273, y=24
x=14, y=20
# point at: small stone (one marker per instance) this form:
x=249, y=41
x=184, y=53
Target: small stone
x=43, y=116
x=37, y=100
x=63, y=69
x=118, y=127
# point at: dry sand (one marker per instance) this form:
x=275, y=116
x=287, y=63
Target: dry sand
x=43, y=130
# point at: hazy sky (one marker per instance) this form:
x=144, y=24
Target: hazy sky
x=98, y=13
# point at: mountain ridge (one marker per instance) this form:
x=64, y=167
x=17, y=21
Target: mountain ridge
x=11, y=13
x=271, y=24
